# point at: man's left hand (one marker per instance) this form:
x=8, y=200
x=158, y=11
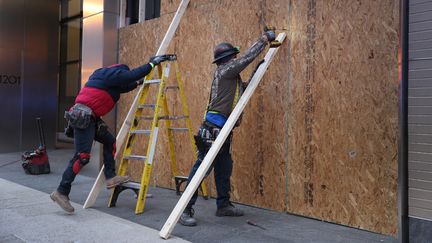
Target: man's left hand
x=156, y=60
x=271, y=35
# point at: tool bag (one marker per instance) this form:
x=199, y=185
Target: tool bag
x=207, y=134
x=79, y=116
x=36, y=162
x=101, y=129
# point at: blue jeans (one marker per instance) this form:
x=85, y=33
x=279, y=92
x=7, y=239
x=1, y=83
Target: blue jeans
x=83, y=141
x=222, y=165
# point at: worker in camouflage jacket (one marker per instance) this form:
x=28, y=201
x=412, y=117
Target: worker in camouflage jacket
x=98, y=97
x=226, y=89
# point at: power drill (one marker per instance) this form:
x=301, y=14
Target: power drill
x=275, y=43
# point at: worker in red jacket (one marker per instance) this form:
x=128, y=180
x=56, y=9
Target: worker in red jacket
x=95, y=99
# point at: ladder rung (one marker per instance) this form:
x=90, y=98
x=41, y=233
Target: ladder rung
x=132, y=185
x=152, y=81
x=147, y=106
x=140, y=131
x=174, y=129
x=172, y=117
x=134, y=157
x=171, y=87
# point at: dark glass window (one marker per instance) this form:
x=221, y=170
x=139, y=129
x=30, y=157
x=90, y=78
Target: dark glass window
x=70, y=56
x=152, y=9
x=70, y=38
x=132, y=12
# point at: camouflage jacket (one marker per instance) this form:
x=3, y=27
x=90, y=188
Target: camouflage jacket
x=227, y=85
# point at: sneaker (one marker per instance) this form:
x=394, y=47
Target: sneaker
x=187, y=219
x=62, y=201
x=229, y=210
x=116, y=180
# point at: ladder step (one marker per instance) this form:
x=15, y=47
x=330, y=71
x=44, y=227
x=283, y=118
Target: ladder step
x=140, y=131
x=178, y=129
x=178, y=182
x=128, y=185
x=147, y=106
x=172, y=117
x=134, y=157
x=181, y=178
x=152, y=81
x=132, y=185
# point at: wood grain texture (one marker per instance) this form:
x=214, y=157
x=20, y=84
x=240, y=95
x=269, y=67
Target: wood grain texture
x=343, y=113
x=319, y=136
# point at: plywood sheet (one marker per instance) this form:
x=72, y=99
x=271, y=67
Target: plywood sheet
x=169, y=6
x=343, y=113
x=319, y=136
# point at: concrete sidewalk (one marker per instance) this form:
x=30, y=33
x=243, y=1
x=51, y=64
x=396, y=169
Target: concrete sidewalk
x=27, y=215
x=280, y=227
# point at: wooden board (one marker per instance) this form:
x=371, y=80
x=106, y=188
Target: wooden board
x=346, y=114
x=220, y=140
x=127, y=121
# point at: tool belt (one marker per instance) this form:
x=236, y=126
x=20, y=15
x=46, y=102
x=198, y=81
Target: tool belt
x=207, y=134
x=79, y=116
x=101, y=129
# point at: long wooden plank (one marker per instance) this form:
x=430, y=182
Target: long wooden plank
x=121, y=136
x=208, y=159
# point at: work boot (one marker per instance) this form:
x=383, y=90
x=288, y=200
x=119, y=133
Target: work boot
x=62, y=201
x=229, y=210
x=116, y=180
x=187, y=219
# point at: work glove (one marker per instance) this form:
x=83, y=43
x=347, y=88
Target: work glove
x=156, y=60
x=271, y=35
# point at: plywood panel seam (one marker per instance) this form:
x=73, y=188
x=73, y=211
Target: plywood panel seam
x=286, y=118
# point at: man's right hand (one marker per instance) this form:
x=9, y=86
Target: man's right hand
x=271, y=35
x=156, y=60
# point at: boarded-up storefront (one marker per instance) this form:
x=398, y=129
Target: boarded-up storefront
x=319, y=137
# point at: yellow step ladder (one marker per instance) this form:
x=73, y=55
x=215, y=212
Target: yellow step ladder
x=135, y=130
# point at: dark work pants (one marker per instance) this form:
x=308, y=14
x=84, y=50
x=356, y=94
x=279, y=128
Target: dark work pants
x=222, y=165
x=83, y=141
